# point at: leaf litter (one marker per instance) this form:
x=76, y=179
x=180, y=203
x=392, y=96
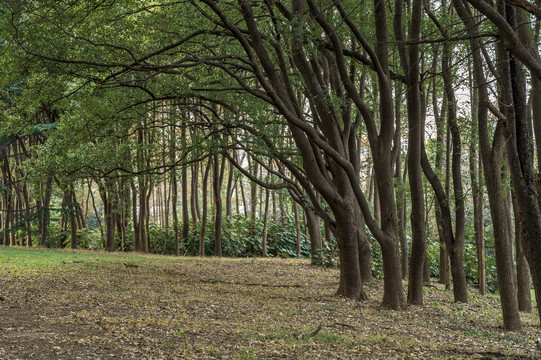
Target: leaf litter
x=193, y=308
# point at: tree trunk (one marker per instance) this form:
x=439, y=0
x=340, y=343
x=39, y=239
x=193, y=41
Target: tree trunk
x=477, y=194
x=460, y=287
x=351, y=285
x=217, y=186
x=400, y=193
x=229, y=191
x=143, y=208
x=410, y=64
x=194, y=194
x=520, y=153
x=174, y=200
x=492, y=154
x=136, y=225
x=95, y=209
x=185, y=209
x=524, y=296
x=73, y=217
x=363, y=245
x=253, y=193
x=312, y=223
x=297, y=227
x=204, y=215
x=265, y=224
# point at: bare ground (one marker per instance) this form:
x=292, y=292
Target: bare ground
x=190, y=308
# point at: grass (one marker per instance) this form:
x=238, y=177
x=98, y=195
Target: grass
x=64, y=304
x=39, y=259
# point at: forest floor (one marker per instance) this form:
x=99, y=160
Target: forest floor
x=92, y=305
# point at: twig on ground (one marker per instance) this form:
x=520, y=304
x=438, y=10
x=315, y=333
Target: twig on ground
x=321, y=326
x=215, y=281
x=79, y=261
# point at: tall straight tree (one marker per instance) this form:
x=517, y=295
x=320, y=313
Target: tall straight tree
x=217, y=180
x=409, y=59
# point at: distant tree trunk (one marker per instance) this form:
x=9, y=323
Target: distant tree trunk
x=477, y=194
x=194, y=194
x=124, y=211
x=73, y=216
x=149, y=184
x=217, y=186
x=237, y=200
x=108, y=197
x=136, y=225
x=185, y=209
x=297, y=227
x=95, y=209
x=45, y=212
x=166, y=198
x=204, y=215
x=28, y=213
x=229, y=191
x=282, y=209
x=265, y=225
x=63, y=221
x=253, y=194
x=244, y=203
x=274, y=212
x=143, y=208
x=174, y=200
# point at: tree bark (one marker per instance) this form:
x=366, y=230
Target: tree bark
x=492, y=155
x=297, y=227
x=204, y=215
x=265, y=223
x=217, y=186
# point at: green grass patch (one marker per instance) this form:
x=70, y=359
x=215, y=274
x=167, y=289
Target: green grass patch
x=326, y=337
x=21, y=259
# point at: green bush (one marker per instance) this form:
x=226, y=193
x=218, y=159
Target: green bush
x=242, y=237
x=89, y=239
x=58, y=238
